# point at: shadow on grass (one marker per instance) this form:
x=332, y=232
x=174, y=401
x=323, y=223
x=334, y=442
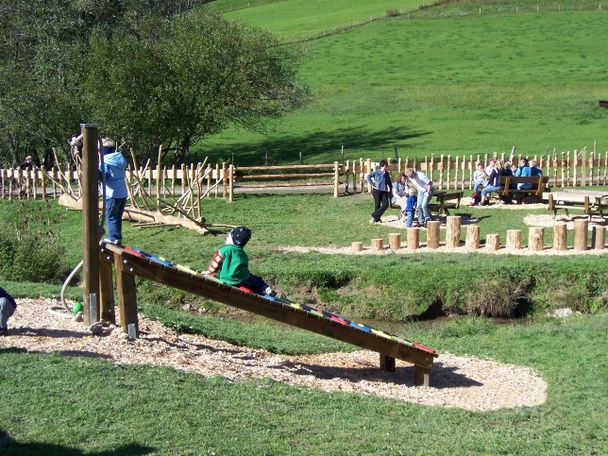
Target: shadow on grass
x=441, y=376
x=314, y=146
x=9, y=446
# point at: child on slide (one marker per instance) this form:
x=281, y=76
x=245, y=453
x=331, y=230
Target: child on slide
x=231, y=264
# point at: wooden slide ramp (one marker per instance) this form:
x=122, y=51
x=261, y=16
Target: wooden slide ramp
x=130, y=262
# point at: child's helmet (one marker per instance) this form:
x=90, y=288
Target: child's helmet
x=240, y=235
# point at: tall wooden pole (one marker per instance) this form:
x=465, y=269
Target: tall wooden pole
x=90, y=226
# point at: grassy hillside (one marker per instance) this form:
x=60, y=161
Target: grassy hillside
x=463, y=84
x=296, y=19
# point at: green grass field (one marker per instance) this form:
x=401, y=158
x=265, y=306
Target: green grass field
x=464, y=84
x=474, y=84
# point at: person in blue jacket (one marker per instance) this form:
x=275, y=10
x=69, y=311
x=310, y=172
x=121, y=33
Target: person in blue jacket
x=380, y=180
x=113, y=175
x=523, y=170
x=7, y=309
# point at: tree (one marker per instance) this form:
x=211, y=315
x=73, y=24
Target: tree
x=180, y=80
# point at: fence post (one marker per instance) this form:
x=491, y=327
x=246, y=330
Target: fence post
x=230, y=183
x=336, y=179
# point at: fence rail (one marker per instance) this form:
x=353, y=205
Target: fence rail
x=199, y=181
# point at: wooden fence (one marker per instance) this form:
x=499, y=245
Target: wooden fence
x=190, y=184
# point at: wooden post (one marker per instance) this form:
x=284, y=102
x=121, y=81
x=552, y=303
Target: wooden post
x=106, y=290
x=472, y=237
x=90, y=212
x=10, y=184
x=43, y=184
x=387, y=363
x=560, y=236
x=54, y=174
x=19, y=182
x=369, y=170
x=452, y=235
x=2, y=184
x=581, y=234
x=224, y=183
x=422, y=376
x=230, y=183
x=377, y=244
x=28, y=183
x=432, y=234
x=413, y=238
x=361, y=176
x=127, y=295
x=599, y=237
x=536, y=238
x=34, y=184
x=492, y=241
x=209, y=177
x=514, y=238
x=184, y=178
x=217, y=179
x=336, y=179
x=394, y=241
x=357, y=246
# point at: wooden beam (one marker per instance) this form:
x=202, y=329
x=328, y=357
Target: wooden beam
x=106, y=289
x=131, y=265
x=127, y=295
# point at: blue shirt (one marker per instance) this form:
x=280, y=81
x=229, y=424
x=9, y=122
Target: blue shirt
x=523, y=171
x=115, y=167
x=535, y=171
x=380, y=180
x=4, y=294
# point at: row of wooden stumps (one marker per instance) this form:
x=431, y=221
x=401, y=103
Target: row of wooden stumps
x=514, y=241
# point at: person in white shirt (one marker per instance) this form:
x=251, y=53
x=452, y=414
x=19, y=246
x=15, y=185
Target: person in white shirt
x=423, y=184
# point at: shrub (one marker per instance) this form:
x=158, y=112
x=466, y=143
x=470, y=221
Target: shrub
x=392, y=12
x=29, y=249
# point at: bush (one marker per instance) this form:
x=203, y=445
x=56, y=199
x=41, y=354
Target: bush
x=29, y=249
x=392, y=12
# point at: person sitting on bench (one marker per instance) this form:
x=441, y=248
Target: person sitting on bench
x=493, y=182
x=400, y=192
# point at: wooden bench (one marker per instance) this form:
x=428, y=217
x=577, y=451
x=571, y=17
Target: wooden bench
x=442, y=201
x=509, y=184
x=589, y=201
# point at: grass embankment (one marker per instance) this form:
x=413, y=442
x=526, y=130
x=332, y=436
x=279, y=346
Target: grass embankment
x=391, y=287
x=68, y=405
x=458, y=85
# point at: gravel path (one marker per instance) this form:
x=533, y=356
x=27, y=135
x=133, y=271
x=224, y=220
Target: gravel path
x=462, y=382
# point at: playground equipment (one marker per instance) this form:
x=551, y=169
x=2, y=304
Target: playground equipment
x=130, y=262
x=98, y=292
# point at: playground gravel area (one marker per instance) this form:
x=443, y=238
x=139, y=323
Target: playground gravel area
x=39, y=325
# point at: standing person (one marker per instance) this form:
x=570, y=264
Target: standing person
x=7, y=309
x=380, y=180
x=400, y=192
x=28, y=164
x=410, y=208
x=423, y=184
x=113, y=175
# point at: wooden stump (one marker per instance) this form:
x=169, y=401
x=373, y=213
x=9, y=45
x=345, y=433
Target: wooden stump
x=357, y=246
x=452, y=234
x=581, y=234
x=413, y=238
x=492, y=241
x=394, y=241
x=378, y=244
x=560, y=236
x=514, y=239
x=432, y=234
x=599, y=237
x=536, y=238
x=472, y=239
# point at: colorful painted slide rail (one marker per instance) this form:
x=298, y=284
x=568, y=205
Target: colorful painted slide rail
x=135, y=262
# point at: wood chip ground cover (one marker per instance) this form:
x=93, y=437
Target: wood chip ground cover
x=458, y=381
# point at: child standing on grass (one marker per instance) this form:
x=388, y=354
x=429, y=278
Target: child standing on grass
x=232, y=264
x=410, y=208
x=7, y=309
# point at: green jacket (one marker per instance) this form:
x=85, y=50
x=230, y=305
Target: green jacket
x=235, y=267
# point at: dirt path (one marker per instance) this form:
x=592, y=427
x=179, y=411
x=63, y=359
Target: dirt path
x=463, y=382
